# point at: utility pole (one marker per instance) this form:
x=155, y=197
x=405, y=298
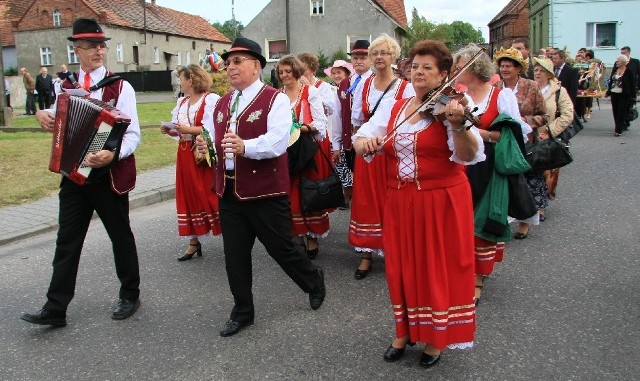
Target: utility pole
x=233, y=20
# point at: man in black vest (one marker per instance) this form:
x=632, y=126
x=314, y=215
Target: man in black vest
x=251, y=126
x=44, y=87
x=107, y=195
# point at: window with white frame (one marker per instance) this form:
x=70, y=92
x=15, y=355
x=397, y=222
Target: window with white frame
x=71, y=55
x=45, y=56
x=188, y=58
x=119, y=52
x=351, y=39
x=156, y=54
x=56, y=18
x=316, y=7
x=275, y=49
x=179, y=57
x=601, y=34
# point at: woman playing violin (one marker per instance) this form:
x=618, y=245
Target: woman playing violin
x=428, y=214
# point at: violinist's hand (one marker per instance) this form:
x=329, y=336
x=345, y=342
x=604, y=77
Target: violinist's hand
x=369, y=145
x=454, y=112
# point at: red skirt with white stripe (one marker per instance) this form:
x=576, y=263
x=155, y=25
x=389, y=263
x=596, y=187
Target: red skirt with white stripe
x=367, y=202
x=487, y=254
x=429, y=260
x=196, y=202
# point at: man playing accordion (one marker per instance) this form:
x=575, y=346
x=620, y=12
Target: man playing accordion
x=106, y=194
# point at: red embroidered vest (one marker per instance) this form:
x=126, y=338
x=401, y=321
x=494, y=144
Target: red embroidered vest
x=491, y=112
x=431, y=154
x=366, y=107
x=254, y=179
x=345, y=112
x=122, y=175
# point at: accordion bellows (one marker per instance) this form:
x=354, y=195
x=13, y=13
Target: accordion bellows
x=82, y=126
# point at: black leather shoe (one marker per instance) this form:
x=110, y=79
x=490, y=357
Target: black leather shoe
x=125, y=308
x=44, y=317
x=316, y=296
x=232, y=327
x=393, y=354
x=427, y=361
x=312, y=254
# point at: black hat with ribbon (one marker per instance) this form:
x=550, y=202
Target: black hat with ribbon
x=360, y=47
x=87, y=29
x=247, y=46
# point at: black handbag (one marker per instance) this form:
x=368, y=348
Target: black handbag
x=321, y=194
x=572, y=130
x=521, y=202
x=547, y=154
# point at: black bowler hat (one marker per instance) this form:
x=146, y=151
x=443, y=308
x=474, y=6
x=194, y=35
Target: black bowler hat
x=87, y=29
x=360, y=47
x=245, y=45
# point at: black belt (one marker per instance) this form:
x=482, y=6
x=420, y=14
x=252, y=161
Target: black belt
x=231, y=175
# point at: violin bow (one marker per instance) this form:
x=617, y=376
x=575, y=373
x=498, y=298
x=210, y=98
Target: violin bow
x=435, y=94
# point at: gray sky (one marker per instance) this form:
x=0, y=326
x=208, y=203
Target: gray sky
x=476, y=12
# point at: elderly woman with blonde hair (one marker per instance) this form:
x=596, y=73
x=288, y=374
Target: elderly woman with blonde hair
x=369, y=186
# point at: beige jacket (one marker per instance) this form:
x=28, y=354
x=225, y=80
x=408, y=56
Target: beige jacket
x=557, y=125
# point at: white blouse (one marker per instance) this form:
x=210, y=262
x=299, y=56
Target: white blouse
x=186, y=114
x=507, y=104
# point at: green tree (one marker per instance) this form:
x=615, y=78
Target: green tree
x=455, y=33
x=323, y=63
x=230, y=28
x=339, y=54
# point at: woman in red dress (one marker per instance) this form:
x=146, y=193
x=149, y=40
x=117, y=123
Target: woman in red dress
x=367, y=205
x=307, y=108
x=428, y=213
x=196, y=203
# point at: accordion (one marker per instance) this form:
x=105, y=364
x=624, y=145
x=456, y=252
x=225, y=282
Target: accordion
x=83, y=126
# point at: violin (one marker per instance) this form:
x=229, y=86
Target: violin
x=435, y=106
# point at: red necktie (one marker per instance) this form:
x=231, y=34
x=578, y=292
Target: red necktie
x=87, y=81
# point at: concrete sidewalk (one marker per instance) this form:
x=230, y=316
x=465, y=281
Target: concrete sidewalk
x=22, y=221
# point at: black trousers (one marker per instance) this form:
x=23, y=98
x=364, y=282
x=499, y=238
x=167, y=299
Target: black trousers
x=269, y=220
x=77, y=204
x=30, y=106
x=620, y=105
x=44, y=100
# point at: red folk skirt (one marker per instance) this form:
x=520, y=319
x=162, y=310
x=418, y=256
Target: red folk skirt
x=429, y=260
x=315, y=224
x=367, y=202
x=196, y=202
x=487, y=255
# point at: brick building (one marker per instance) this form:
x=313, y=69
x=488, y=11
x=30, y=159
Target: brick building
x=510, y=23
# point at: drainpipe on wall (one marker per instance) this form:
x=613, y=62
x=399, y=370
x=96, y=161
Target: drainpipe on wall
x=551, y=21
x=288, y=26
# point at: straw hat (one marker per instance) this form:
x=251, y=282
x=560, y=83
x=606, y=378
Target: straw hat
x=293, y=137
x=545, y=63
x=339, y=63
x=513, y=55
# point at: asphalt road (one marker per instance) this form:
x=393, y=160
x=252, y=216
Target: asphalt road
x=563, y=305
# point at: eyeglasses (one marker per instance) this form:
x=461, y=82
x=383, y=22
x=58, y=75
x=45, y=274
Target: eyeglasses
x=237, y=60
x=94, y=47
x=380, y=54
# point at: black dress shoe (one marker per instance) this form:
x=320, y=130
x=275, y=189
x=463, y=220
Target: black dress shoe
x=312, y=254
x=45, y=317
x=125, y=308
x=393, y=354
x=187, y=257
x=427, y=361
x=232, y=327
x=316, y=296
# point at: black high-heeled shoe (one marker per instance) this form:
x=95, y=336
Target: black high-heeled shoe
x=361, y=274
x=427, y=360
x=198, y=251
x=394, y=354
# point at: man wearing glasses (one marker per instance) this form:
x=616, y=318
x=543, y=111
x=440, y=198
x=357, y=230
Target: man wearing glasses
x=251, y=126
x=106, y=195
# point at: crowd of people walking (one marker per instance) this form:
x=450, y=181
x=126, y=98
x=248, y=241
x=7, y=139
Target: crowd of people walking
x=430, y=174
